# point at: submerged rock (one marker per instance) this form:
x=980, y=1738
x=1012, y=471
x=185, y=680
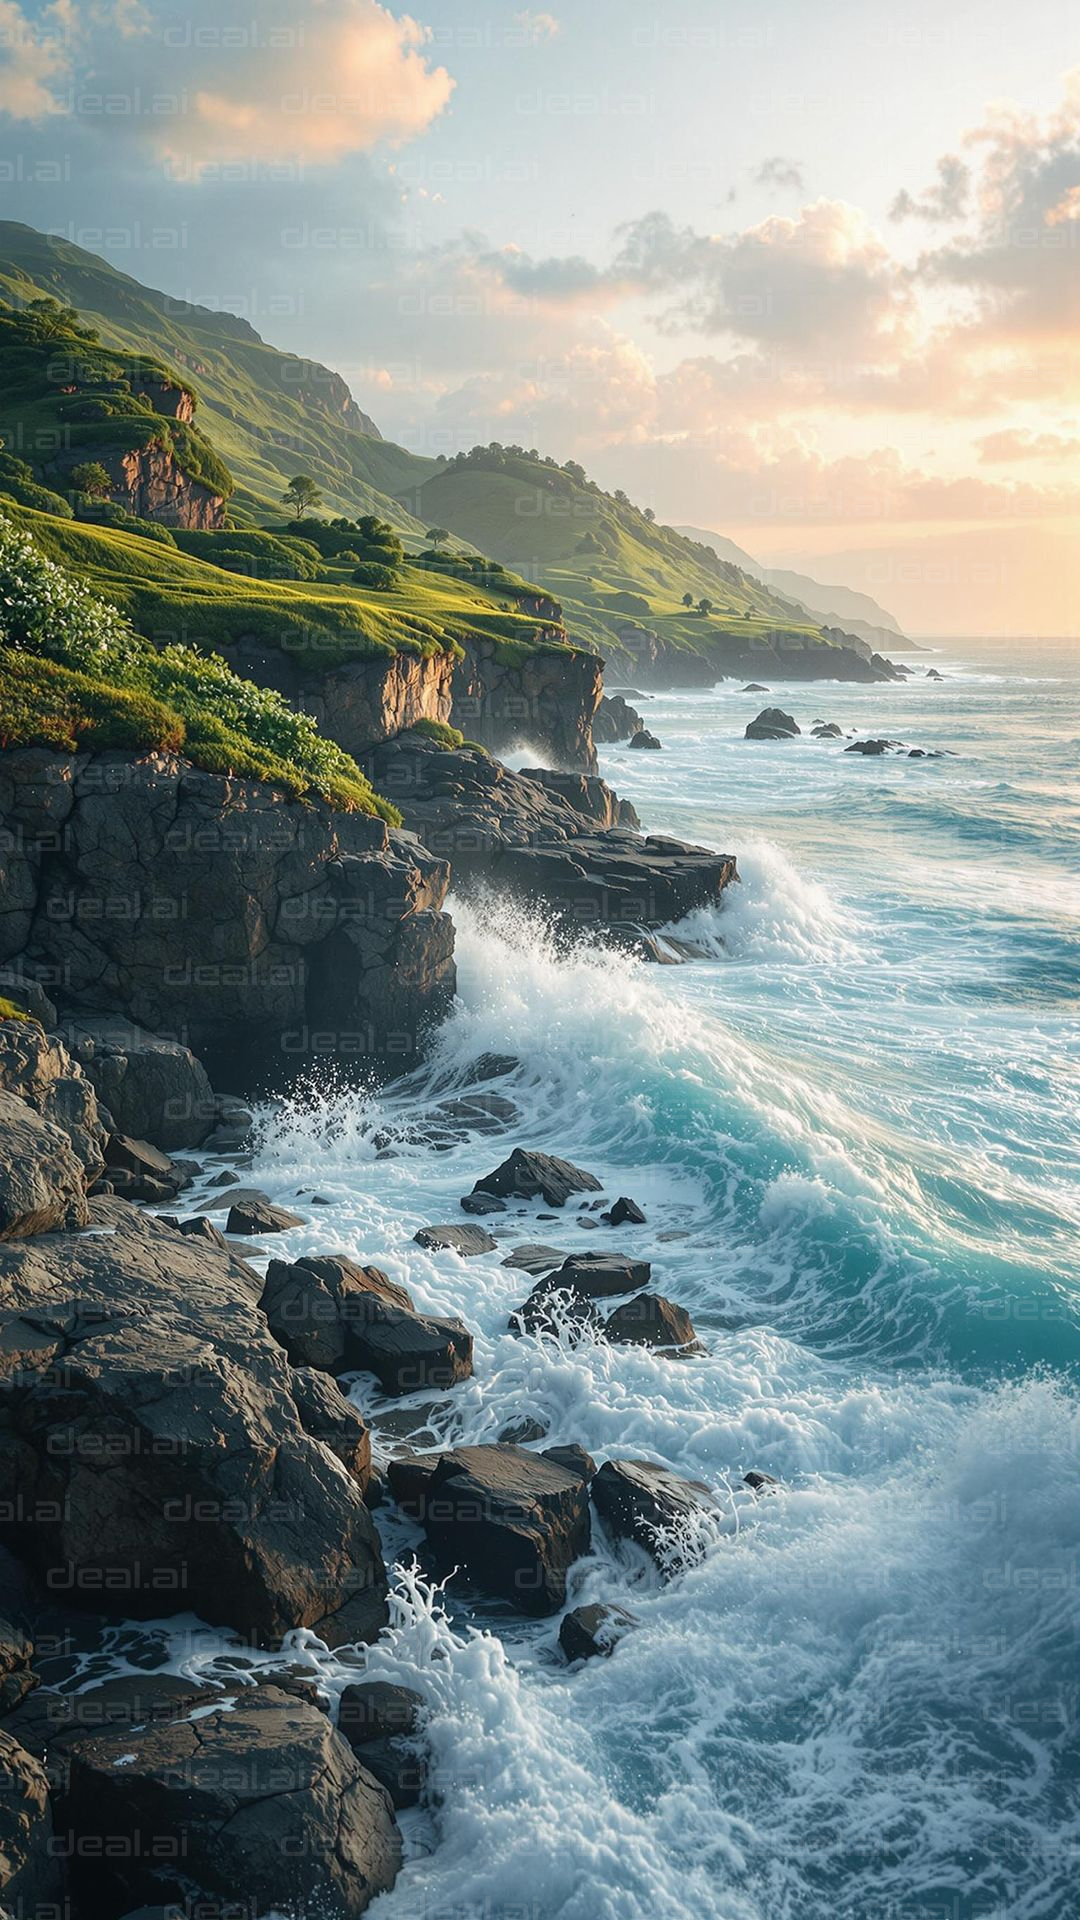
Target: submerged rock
x=591, y=1630
x=464, y=1240
x=772, y=723
x=537, y=1176
x=513, y=1520
x=636, y=1499
x=258, y=1799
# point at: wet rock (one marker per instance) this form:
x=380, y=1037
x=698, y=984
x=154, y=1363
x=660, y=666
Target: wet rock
x=772, y=723
x=643, y=944
x=871, y=746
x=827, y=730
x=651, y=1321
x=154, y=1458
x=759, y=1482
x=600, y=1275
x=463, y=1240
x=409, y=1477
x=154, y=1088
x=933, y=674
x=329, y=1313
x=514, y=1521
x=643, y=738
x=625, y=1212
x=556, y=1313
x=574, y=1458
x=634, y=1499
x=264, y=1798
x=591, y=1630
x=535, y=1258
x=537, y=1176
x=326, y=1415
x=481, y=1204
x=29, y=1867
x=252, y=1212
x=377, y=1718
x=754, y=686
x=519, y=1433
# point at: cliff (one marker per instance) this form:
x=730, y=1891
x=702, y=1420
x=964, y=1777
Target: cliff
x=259, y=930
x=545, y=699
x=150, y=482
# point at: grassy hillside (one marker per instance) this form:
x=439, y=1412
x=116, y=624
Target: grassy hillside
x=840, y=606
x=268, y=414
x=609, y=564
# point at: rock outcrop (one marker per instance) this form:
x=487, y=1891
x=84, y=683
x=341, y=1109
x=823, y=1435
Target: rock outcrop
x=360, y=702
x=639, y=1501
x=615, y=720
x=153, y=1458
x=29, y=1866
x=772, y=723
x=513, y=1520
x=259, y=930
x=258, y=1800
x=328, y=1312
x=547, y=698
x=53, y=1141
x=154, y=1087
x=595, y=1629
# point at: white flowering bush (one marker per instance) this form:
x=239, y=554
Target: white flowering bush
x=45, y=610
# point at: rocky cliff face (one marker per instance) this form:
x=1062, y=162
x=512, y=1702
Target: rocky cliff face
x=650, y=661
x=148, y=481
x=358, y=704
x=260, y=931
x=547, y=700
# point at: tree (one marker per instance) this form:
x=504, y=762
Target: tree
x=437, y=535
x=704, y=606
x=302, y=495
x=91, y=477
x=688, y=599
x=650, y=515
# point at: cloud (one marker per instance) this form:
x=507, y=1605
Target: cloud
x=776, y=171
x=1018, y=443
x=537, y=26
x=34, y=61
x=947, y=200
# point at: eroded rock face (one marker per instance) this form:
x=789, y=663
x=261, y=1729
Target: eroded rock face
x=262, y=1802
x=261, y=931
x=330, y=1313
x=153, y=1457
x=548, y=700
x=37, y=1068
x=29, y=1872
x=513, y=1520
x=52, y=1138
x=361, y=702
x=149, y=481
x=154, y=1087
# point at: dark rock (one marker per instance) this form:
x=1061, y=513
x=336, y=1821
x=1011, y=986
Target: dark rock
x=226, y=1178
x=154, y=1460
x=253, y=1212
x=17, y=1677
x=827, y=730
x=591, y=1630
x=651, y=1321
x=481, y=1204
x=410, y=1477
x=599, y=1275
x=537, y=1176
x=634, y=1499
x=624, y=1212
x=534, y=1258
x=759, y=1482
x=29, y=1866
x=573, y=1458
x=329, y=1313
x=643, y=738
x=154, y=1088
x=753, y=686
x=263, y=1801
x=377, y=1717
x=643, y=944
x=871, y=746
x=513, y=1520
x=141, y=1171
x=463, y=1240
x=552, y=1312
x=397, y=1767
x=326, y=1415
x=933, y=674
x=772, y=723
x=519, y=1433
x=615, y=720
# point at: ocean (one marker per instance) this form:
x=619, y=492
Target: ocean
x=853, y=1129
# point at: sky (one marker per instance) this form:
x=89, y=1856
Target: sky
x=808, y=275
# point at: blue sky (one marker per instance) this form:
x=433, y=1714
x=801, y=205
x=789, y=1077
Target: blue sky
x=806, y=274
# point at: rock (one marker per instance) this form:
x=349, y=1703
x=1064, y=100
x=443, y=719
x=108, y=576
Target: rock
x=754, y=686
x=519, y=1432
x=933, y=674
x=154, y=1088
x=140, y=1171
x=634, y=1498
x=29, y=1866
x=226, y=1178
x=513, y=1520
x=651, y=1321
x=870, y=746
x=37, y=1069
x=643, y=738
x=552, y=695
x=409, y=1477
x=481, y=1204
x=772, y=723
x=377, y=1717
x=262, y=1799
x=759, y=1482
x=329, y=1313
x=573, y=1458
x=326, y=1415
x=555, y=1312
x=599, y=1275
x=200, y=1228
x=533, y=1176
x=17, y=1677
x=154, y=1459
x=535, y=1258
x=643, y=944
x=615, y=720
x=827, y=730
x=591, y=1630
x=253, y=1212
x=42, y=1183
x=463, y=1240
x=624, y=1213
x=316, y=933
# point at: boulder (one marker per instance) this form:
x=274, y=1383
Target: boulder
x=252, y=1212
x=600, y=1275
x=29, y=1867
x=140, y=1171
x=827, y=730
x=37, y=1069
x=154, y=1088
x=574, y=1458
x=514, y=1521
x=377, y=1718
x=648, y=1320
x=409, y=1477
x=615, y=720
x=772, y=724
x=643, y=738
x=154, y=1459
x=871, y=747
x=760, y=1483
x=259, y=1799
x=537, y=1176
x=42, y=1183
x=591, y=1630
x=481, y=1204
x=326, y=1415
x=330, y=1313
x=635, y=1499
x=555, y=1313
x=625, y=1212
x=534, y=1258
x=463, y=1240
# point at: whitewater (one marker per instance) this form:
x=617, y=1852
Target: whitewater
x=852, y=1124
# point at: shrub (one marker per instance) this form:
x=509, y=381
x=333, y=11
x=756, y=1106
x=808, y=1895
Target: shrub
x=46, y=705
x=381, y=579
x=27, y=493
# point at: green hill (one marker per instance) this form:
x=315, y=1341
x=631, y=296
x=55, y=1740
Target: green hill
x=268, y=414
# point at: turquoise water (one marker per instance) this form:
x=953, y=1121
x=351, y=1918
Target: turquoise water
x=854, y=1131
